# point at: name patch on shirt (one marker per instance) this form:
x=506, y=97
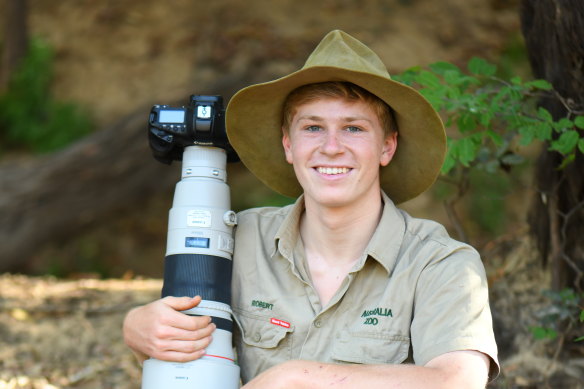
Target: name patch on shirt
x=279, y=322
x=370, y=314
x=262, y=304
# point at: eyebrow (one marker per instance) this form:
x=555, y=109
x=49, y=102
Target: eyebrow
x=320, y=119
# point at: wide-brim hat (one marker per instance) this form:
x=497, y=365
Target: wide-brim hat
x=254, y=120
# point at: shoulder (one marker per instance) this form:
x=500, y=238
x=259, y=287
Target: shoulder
x=263, y=217
x=428, y=231
x=430, y=240
x=261, y=224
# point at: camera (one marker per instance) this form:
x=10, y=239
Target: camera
x=202, y=122
x=200, y=242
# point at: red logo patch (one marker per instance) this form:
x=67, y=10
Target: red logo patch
x=280, y=323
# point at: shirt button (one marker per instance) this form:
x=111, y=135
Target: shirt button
x=318, y=324
x=257, y=337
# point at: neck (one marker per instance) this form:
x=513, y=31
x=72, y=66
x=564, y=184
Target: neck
x=339, y=235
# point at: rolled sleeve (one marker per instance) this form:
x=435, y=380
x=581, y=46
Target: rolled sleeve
x=451, y=309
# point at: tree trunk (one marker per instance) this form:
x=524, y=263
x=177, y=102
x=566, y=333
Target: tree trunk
x=554, y=36
x=15, y=42
x=53, y=197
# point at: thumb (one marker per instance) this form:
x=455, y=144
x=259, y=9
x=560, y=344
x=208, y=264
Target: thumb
x=182, y=303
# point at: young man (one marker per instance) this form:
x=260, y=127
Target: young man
x=370, y=296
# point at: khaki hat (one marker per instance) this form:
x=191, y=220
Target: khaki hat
x=254, y=120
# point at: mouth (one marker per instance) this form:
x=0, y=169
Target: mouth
x=332, y=170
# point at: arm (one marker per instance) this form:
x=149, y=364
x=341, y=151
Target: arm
x=458, y=369
x=160, y=331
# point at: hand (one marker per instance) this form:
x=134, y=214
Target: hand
x=160, y=331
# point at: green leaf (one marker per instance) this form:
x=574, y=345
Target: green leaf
x=568, y=159
x=454, y=93
x=448, y=164
x=539, y=84
x=496, y=138
x=481, y=67
x=579, y=122
x=579, y=339
x=566, y=142
x=541, y=333
x=516, y=95
x=467, y=149
x=425, y=78
x=434, y=96
x=562, y=124
x=516, y=80
x=526, y=136
x=581, y=147
x=499, y=99
x=442, y=67
x=582, y=315
x=485, y=118
x=466, y=122
x=544, y=114
x=459, y=79
x=543, y=131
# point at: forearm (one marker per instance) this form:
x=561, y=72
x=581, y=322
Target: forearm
x=314, y=375
x=310, y=374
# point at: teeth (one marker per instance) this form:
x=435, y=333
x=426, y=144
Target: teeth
x=332, y=170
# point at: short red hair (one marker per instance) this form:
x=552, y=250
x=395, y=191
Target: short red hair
x=341, y=90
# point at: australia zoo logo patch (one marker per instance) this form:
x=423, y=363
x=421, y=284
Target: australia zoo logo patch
x=372, y=316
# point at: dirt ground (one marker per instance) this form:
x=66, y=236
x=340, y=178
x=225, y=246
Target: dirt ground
x=114, y=56
x=67, y=334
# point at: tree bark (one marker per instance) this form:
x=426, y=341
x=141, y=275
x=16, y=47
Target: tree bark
x=15, y=42
x=554, y=36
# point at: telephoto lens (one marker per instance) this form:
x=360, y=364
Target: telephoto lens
x=198, y=262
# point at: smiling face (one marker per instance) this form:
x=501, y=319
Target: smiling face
x=336, y=147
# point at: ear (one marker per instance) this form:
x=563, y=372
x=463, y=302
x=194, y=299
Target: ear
x=286, y=142
x=389, y=148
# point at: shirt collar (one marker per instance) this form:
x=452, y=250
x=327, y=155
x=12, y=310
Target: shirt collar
x=289, y=231
x=387, y=239
x=384, y=245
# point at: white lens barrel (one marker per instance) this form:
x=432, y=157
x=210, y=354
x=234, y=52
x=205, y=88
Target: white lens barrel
x=204, y=373
x=198, y=261
x=200, y=220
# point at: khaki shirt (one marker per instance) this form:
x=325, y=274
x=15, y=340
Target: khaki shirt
x=414, y=294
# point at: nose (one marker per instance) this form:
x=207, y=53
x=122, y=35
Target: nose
x=332, y=143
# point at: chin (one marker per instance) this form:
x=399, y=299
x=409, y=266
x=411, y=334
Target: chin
x=331, y=200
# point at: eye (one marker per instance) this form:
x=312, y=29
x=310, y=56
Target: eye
x=313, y=128
x=353, y=129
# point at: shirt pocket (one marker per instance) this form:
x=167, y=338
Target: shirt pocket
x=261, y=337
x=371, y=348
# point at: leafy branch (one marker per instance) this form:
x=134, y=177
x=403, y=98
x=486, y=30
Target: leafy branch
x=489, y=120
x=494, y=117
x=566, y=307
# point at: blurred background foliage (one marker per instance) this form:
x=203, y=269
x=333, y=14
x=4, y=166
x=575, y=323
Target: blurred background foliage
x=31, y=119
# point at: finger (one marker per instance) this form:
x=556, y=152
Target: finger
x=183, y=334
x=189, y=322
x=174, y=331
x=192, y=349
x=189, y=347
x=181, y=303
x=175, y=356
